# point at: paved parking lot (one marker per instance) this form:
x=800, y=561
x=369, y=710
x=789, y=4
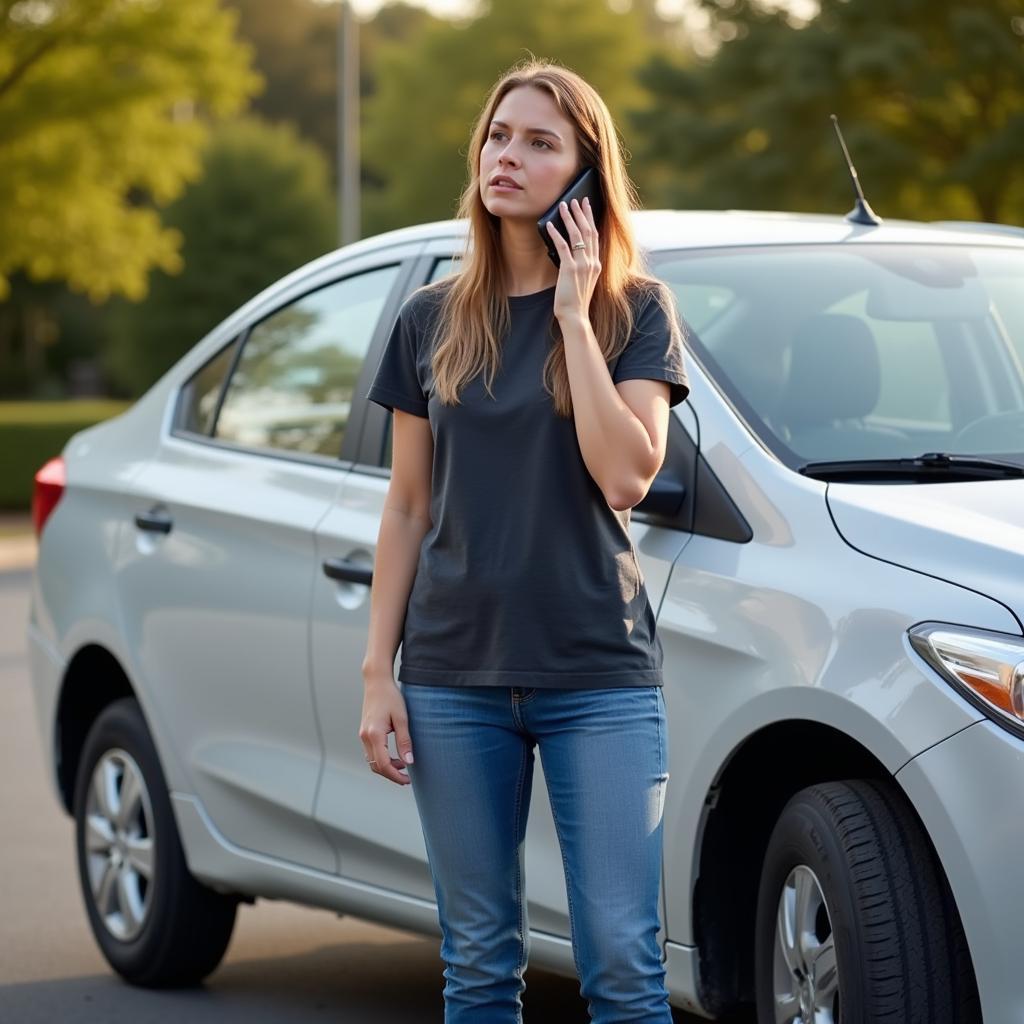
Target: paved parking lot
x=285, y=963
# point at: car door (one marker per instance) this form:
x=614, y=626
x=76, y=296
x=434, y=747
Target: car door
x=218, y=575
x=374, y=822
x=371, y=822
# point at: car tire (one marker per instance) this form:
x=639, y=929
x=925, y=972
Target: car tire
x=156, y=925
x=881, y=938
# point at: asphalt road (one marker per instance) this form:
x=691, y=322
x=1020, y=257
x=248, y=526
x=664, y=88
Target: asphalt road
x=285, y=962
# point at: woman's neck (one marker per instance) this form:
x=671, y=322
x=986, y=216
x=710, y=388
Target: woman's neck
x=527, y=266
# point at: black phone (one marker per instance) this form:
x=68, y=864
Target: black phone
x=586, y=183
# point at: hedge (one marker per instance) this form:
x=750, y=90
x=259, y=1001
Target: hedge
x=32, y=432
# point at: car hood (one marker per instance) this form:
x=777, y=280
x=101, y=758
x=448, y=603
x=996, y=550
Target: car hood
x=970, y=533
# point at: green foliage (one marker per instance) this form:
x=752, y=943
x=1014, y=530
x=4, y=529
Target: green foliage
x=262, y=208
x=929, y=96
x=416, y=127
x=296, y=46
x=88, y=411
x=33, y=432
x=48, y=336
x=103, y=110
x=296, y=52
x=106, y=108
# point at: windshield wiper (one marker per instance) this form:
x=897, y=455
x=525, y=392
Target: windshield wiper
x=944, y=466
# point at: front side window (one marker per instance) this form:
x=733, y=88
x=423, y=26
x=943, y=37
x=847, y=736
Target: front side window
x=443, y=267
x=292, y=388
x=862, y=351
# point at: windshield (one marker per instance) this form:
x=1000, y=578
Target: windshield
x=862, y=351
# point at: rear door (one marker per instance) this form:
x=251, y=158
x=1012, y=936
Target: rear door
x=218, y=578
x=371, y=822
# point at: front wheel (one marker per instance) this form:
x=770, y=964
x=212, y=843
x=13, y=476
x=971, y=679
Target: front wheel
x=855, y=921
x=155, y=924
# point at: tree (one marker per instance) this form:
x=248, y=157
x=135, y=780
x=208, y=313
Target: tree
x=262, y=208
x=296, y=46
x=431, y=89
x=929, y=95
x=104, y=107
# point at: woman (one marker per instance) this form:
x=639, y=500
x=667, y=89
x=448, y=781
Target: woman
x=505, y=567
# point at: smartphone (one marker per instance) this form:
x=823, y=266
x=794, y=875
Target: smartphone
x=586, y=183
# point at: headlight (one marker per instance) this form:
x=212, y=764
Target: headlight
x=986, y=667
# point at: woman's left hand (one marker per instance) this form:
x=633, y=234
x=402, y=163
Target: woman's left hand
x=579, y=269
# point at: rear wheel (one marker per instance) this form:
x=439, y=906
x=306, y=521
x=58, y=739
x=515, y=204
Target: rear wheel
x=154, y=922
x=855, y=921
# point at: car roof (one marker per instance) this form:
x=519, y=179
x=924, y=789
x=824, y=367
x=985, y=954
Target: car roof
x=687, y=229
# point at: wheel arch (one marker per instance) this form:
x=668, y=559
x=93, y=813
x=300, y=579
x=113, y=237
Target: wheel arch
x=745, y=803
x=93, y=680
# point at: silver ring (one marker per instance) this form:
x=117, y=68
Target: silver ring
x=580, y=245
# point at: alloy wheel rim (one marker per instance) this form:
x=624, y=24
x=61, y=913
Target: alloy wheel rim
x=805, y=973
x=119, y=844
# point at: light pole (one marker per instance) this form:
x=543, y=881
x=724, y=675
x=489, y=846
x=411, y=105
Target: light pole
x=349, y=229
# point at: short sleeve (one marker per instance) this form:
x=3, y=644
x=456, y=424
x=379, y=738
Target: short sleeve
x=655, y=349
x=396, y=384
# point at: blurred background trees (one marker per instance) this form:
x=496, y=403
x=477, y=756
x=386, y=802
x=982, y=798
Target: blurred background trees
x=103, y=108
x=262, y=207
x=162, y=161
x=929, y=95
x=418, y=119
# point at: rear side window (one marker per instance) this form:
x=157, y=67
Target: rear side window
x=200, y=394
x=293, y=386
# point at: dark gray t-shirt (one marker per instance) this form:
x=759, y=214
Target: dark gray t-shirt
x=527, y=577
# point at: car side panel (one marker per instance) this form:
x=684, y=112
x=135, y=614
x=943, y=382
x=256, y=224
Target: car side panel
x=760, y=633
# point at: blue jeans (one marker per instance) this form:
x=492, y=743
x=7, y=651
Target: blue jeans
x=605, y=758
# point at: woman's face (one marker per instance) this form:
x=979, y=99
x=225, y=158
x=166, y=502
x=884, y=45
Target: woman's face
x=535, y=146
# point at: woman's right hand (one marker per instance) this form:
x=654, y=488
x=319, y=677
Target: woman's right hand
x=384, y=712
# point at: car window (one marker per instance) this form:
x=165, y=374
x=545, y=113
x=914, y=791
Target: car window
x=293, y=386
x=1008, y=310
x=862, y=351
x=914, y=383
x=702, y=301
x=201, y=391
x=443, y=267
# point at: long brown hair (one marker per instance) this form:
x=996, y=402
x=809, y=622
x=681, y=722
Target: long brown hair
x=474, y=313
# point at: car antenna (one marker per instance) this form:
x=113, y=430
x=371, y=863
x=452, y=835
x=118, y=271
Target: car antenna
x=861, y=212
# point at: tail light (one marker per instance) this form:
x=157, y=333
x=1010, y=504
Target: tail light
x=49, y=486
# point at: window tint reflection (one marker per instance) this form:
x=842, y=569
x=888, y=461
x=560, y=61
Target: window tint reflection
x=203, y=390
x=293, y=386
